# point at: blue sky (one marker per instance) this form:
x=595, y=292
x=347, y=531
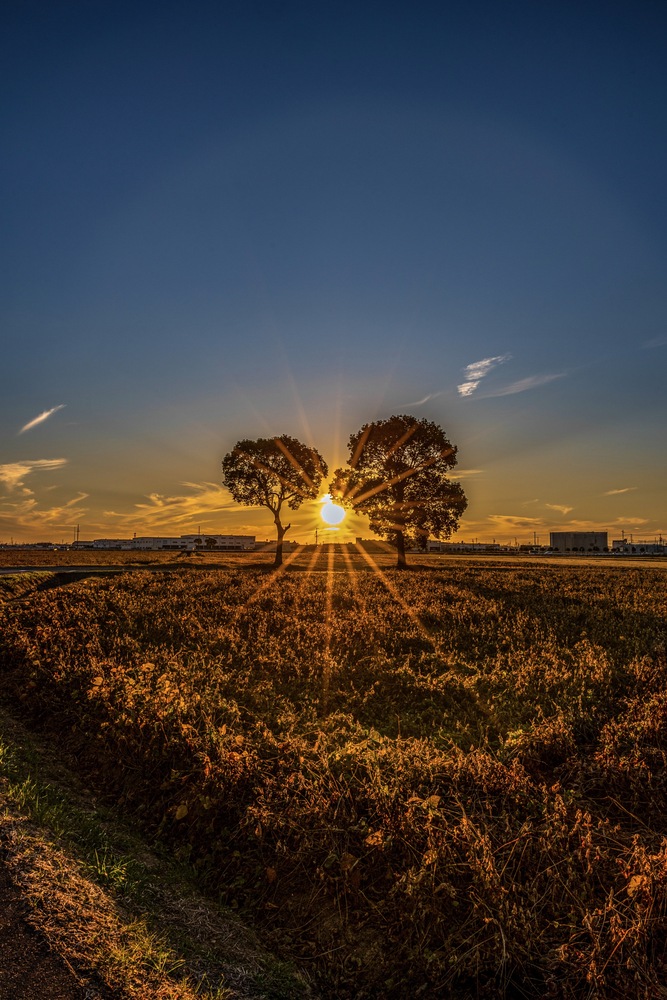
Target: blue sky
x=234, y=220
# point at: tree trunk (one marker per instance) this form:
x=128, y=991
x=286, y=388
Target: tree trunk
x=278, y=561
x=400, y=550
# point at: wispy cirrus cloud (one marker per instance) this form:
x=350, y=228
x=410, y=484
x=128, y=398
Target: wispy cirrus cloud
x=524, y=384
x=13, y=474
x=41, y=418
x=561, y=508
x=660, y=341
x=465, y=473
x=420, y=402
x=475, y=372
x=625, y=489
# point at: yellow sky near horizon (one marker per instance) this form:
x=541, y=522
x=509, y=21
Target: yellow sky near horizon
x=30, y=515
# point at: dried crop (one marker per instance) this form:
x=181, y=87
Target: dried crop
x=449, y=782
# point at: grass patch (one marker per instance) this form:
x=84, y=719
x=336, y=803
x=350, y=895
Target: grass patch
x=118, y=913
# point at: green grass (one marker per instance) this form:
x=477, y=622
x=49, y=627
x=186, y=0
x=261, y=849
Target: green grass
x=149, y=947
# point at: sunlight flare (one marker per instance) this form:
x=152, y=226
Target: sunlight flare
x=331, y=513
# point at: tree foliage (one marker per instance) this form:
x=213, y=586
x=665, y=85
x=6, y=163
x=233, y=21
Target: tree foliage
x=272, y=473
x=398, y=477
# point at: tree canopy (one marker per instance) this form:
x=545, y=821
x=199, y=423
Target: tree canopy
x=273, y=472
x=398, y=477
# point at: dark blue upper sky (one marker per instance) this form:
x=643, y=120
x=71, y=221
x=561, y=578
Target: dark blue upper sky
x=222, y=220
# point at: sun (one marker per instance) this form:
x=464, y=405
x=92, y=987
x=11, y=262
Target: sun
x=331, y=513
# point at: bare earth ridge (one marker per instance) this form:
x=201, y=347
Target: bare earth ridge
x=28, y=969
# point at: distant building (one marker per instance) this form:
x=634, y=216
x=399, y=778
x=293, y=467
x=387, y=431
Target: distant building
x=622, y=546
x=438, y=546
x=578, y=541
x=104, y=543
x=230, y=543
x=184, y=543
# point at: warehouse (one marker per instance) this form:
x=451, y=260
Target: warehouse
x=578, y=541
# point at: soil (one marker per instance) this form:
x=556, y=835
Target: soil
x=28, y=969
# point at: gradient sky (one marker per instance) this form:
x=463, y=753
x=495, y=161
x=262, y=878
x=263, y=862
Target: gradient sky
x=239, y=219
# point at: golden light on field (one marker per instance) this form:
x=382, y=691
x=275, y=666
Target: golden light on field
x=331, y=513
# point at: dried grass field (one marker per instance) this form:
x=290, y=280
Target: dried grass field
x=450, y=781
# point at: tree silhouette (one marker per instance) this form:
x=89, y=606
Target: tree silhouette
x=270, y=472
x=398, y=478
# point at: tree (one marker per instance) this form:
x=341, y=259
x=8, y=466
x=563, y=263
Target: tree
x=270, y=472
x=398, y=478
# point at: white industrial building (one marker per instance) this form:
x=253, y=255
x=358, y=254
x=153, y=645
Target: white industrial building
x=184, y=543
x=628, y=547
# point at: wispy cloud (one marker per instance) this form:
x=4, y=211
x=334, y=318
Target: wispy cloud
x=14, y=473
x=41, y=418
x=620, y=522
x=562, y=508
x=514, y=522
x=660, y=341
x=420, y=402
x=524, y=384
x=509, y=526
x=475, y=372
x=465, y=473
x=613, y=493
x=27, y=515
x=159, y=511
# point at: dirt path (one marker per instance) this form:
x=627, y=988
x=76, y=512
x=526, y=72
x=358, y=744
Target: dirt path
x=28, y=969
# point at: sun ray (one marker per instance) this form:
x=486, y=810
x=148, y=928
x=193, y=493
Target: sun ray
x=328, y=607
x=360, y=446
x=398, y=478
x=300, y=408
x=293, y=462
x=311, y=564
x=268, y=581
x=353, y=574
x=386, y=582
x=259, y=417
x=403, y=439
x=261, y=467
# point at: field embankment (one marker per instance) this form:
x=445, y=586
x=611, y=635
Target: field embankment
x=449, y=782
x=113, y=919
